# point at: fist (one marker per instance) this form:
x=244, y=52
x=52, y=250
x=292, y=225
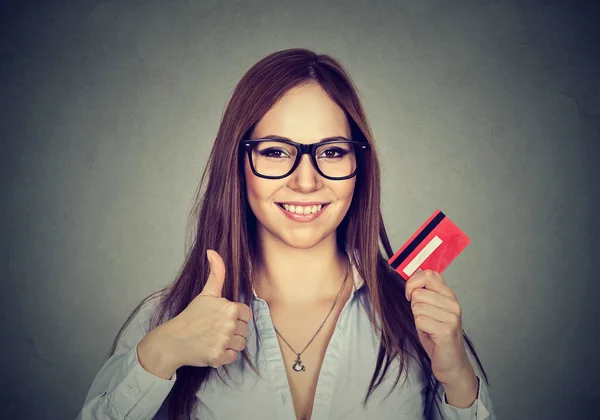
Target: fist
x=211, y=330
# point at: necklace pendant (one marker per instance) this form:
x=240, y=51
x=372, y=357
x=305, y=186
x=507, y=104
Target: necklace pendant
x=298, y=366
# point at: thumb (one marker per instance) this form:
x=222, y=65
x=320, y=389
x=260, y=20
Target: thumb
x=216, y=277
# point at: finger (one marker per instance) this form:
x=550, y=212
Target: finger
x=428, y=279
x=230, y=356
x=241, y=329
x=237, y=343
x=432, y=326
x=222, y=356
x=434, y=312
x=239, y=311
x=216, y=277
x=430, y=297
x=244, y=313
x=408, y=286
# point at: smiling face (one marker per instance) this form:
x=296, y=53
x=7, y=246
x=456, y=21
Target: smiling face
x=305, y=114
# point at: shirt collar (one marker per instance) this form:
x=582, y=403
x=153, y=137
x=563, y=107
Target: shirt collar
x=358, y=280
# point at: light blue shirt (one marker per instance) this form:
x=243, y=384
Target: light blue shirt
x=123, y=389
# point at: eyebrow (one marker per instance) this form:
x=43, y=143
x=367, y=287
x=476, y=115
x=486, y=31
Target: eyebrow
x=276, y=137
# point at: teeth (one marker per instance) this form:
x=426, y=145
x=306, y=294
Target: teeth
x=302, y=210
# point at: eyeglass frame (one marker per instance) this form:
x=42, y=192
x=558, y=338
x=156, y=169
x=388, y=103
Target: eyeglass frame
x=303, y=149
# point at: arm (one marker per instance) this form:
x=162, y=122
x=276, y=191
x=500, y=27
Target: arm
x=123, y=388
x=467, y=399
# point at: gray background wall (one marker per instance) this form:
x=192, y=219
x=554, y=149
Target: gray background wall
x=488, y=110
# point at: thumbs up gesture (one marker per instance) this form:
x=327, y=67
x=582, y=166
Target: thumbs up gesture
x=210, y=331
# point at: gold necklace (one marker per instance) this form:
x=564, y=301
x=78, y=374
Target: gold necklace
x=298, y=366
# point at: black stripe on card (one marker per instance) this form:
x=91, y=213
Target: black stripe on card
x=418, y=239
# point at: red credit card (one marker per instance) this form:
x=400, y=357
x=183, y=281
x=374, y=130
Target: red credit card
x=437, y=242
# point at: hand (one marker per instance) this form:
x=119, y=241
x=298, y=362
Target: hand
x=210, y=331
x=439, y=325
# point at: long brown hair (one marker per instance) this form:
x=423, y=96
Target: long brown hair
x=223, y=221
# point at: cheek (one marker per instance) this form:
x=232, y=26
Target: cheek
x=252, y=189
x=257, y=189
x=346, y=190
x=343, y=193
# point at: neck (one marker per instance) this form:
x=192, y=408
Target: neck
x=300, y=275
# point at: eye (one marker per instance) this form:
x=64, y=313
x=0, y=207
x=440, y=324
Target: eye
x=333, y=152
x=273, y=152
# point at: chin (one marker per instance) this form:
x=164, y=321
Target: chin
x=304, y=244
x=308, y=241
x=299, y=236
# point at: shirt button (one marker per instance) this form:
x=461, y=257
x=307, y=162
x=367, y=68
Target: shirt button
x=283, y=398
x=133, y=392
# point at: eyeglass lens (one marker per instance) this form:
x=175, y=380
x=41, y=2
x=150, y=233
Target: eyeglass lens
x=274, y=158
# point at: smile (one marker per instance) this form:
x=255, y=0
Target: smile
x=302, y=213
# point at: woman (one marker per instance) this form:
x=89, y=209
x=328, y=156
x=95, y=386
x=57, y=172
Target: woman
x=286, y=271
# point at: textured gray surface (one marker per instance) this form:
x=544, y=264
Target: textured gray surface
x=488, y=110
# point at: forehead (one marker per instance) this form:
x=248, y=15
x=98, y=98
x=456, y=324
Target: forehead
x=304, y=114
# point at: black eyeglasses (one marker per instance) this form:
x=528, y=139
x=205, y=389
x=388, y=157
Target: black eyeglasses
x=278, y=158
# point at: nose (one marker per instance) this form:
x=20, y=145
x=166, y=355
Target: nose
x=305, y=177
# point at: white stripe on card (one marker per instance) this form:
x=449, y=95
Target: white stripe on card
x=422, y=256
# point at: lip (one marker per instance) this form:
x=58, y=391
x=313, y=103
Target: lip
x=302, y=218
x=304, y=203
